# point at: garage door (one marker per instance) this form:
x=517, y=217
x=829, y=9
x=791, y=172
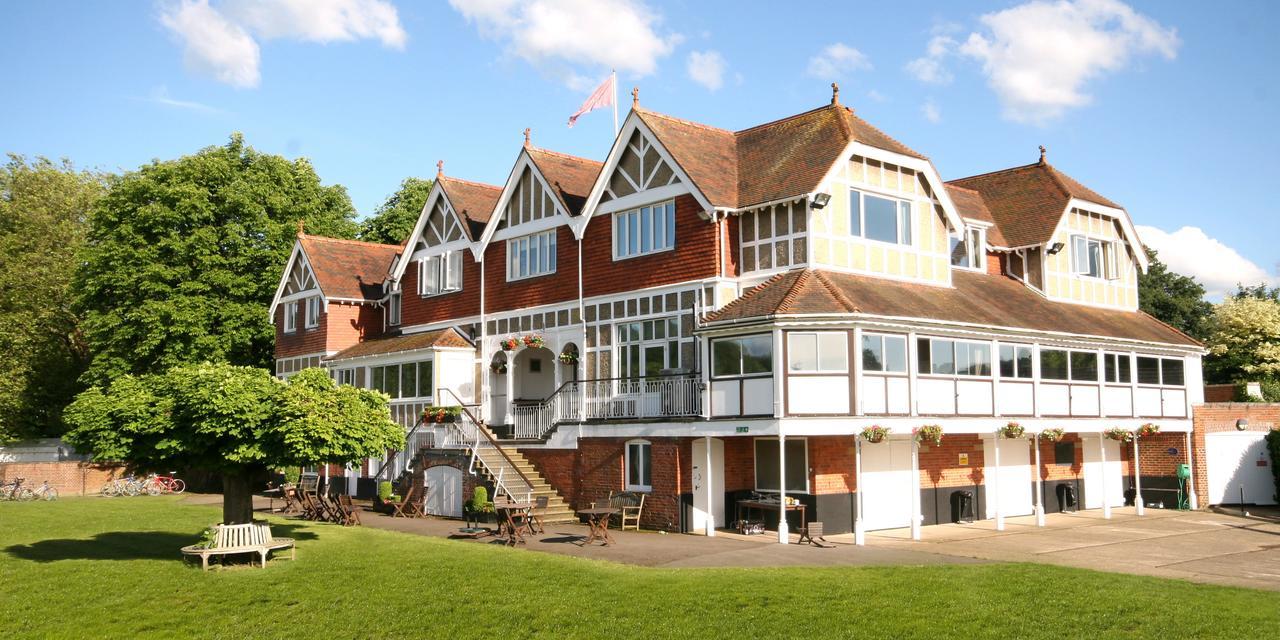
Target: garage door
x=1097, y=475
x=1239, y=461
x=1015, y=476
x=886, y=479
x=444, y=491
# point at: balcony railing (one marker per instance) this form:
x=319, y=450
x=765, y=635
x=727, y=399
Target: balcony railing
x=676, y=396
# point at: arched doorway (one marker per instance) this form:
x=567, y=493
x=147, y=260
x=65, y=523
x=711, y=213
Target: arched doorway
x=535, y=376
x=568, y=362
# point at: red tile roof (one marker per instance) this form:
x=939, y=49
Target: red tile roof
x=570, y=176
x=1027, y=202
x=976, y=298
x=972, y=207
x=349, y=269
x=773, y=161
x=474, y=201
x=411, y=342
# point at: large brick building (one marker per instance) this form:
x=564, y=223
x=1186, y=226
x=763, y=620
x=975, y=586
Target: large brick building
x=712, y=316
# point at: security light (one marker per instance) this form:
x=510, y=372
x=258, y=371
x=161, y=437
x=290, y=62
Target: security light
x=820, y=200
x=1057, y=246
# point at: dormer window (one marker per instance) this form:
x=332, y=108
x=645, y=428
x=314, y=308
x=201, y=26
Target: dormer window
x=1094, y=258
x=878, y=218
x=313, y=313
x=290, y=317
x=969, y=251
x=441, y=273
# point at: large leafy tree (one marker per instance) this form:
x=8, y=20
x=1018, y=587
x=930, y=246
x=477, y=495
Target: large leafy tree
x=1244, y=340
x=183, y=257
x=394, y=220
x=43, y=206
x=1259, y=291
x=1173, y=298
x=234, y=421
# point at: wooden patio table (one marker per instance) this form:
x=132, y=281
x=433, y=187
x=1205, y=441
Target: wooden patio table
x=598, y=520
x=770, y=505
x=515, y=515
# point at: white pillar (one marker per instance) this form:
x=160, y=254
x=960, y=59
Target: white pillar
x=511, y=385
x=995, y=479
x=859, y=531
x=1106, y=495
x=915, y=489
x=1191, y=481
x=707, y=481
x=783, y=536
x=1035, y=442
x=1137, y=479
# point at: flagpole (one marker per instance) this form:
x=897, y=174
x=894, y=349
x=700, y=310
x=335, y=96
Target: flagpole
x=614, y=72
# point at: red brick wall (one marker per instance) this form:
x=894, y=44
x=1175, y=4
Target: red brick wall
x=69, y=477
x=598, y=469
x=342, y=325
x=831, y=465
x=940, y=465
x=1219, y=392
x=560, y=286
x=1053, y=472
x=1221, y=416
x=556, y=466
x=415, y=309
x=692, y=258
x=995, y=263
x=302, y=341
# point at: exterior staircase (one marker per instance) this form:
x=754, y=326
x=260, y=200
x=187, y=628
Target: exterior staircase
x=558, y=511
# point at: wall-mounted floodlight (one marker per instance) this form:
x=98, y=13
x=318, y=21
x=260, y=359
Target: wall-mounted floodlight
x=820, y=200
x=1057, y=246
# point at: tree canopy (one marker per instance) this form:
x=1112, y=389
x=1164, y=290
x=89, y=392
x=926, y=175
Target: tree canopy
x=235, y=421
x=43, y=206
x=183, y=257
x=1244, y=340
x=1173, y=298
x=394, y=220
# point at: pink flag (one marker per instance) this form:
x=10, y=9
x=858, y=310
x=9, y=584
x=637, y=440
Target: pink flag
x=601, y=97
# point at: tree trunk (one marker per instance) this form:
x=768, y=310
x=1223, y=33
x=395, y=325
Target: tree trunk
x=237, y=497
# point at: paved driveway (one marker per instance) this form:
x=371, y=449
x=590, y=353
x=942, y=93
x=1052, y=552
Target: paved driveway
x=1198, y=546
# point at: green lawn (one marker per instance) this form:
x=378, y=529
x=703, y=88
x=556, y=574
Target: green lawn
x=94, y=567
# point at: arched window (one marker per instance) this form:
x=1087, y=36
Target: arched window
x=639, y=466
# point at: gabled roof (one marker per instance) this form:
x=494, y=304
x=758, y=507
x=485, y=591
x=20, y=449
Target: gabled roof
x=773, y=161
x=1027, y=202
x=974, y=298
x=570, y=177
x=972, y=207
x=348, y=269
x=412, y=342
x=474, y=201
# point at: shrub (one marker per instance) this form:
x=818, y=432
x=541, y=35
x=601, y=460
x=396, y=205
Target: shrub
x=1273, y=446
x=292, y=474
x=385, y=491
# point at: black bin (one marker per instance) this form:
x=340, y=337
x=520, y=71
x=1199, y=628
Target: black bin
x=962, y=506
x=1066, y=498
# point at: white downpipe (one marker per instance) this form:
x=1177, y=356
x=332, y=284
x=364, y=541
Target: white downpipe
x=915, y=489
x=783, y=536
x=707, y=482
x=1137, y=480
x=1191, y=481
x=1106, y=495
x=859, y=530
x=1039, y=484
x=996, y=483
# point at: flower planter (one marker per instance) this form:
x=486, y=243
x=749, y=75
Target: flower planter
x=1118, y=434
x=1012, y=430
x=930, y=433
x=1053, y=435
x=1148, y=430
x=875, y=434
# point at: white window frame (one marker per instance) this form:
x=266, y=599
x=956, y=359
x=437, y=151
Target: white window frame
x=394, y=308
x=440, y=273
x=817, y=337
x=312, y=320
x=999, y=358
x=346, y=375
x=291, y=317
x=755, y=472
x=522, y=252
x=622, y=231
x=1108, y=257
x=646, y=454
x=1109, y=357
x=899, y=218
x=740, y=374
x=975, y=243
x=992, y=364
x=883, y=338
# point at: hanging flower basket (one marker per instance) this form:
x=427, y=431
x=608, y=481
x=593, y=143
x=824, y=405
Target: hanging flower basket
x=1012, y=430
x=533, y=341
x=568, y=357
x=1147, y=430
x=510, y=344
x=1118, y=434
x=1053, y=435
x=498, y=367
x=875, y=433
x=929, y=433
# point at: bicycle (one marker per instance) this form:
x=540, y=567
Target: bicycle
x=45, y=492
x=170, y=483
x=15, y=491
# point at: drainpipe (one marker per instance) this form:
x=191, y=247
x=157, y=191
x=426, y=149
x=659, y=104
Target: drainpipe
x=783, y=536
x=1106, y=495
x=1039, y=485
x=859, y=530
x=1191, y=481
x=1137, y=479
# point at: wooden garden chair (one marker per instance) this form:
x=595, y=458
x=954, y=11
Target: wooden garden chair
x=310, y=509
x=350, y=513
x=537, y=514
x=408, y=507
x=812, y=533
x=630, y=505
x=292, y=503
x=332, y=512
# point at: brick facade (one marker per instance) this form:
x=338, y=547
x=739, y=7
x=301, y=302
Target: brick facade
x=69, y=477
x=341, y=325
x=561, y=286
x=1222, y=416
x=692, y=258
x=416, y=309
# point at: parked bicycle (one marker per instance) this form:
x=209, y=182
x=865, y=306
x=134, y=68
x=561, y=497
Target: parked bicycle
x=16, y=491
x=166, y=484
x=126, y=486
x=45, y=492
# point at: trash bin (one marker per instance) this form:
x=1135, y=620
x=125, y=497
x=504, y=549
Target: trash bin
x=962, y=506
x=1066, y=498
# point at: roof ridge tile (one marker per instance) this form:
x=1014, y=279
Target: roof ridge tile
x=307, y=236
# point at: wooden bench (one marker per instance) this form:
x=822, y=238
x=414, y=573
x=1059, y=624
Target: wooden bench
x=231, y=539
x=630, y=505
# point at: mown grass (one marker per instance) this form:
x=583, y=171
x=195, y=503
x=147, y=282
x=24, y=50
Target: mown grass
x=100, y=568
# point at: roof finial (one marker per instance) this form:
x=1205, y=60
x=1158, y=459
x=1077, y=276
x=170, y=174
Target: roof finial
x=526, y=137
x=635, y=97
x=835, y=93
x=1042, y=152
x=439, y=168
x=301, y=222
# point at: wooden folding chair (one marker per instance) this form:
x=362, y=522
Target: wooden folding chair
x=310, y=509
x=292, y=503
x=350, y=514
x=538, y=513
x=407, y=508
x=813, y=535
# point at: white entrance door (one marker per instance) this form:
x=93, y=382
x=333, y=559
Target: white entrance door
x=1097, y=475
x=703, y=481
x=1239, y=460
x=444, y=491
x=886, y=484
x=1015, y=476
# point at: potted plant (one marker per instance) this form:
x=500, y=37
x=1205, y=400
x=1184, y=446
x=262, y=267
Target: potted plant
x=1118, y=434
x=929, y=433
x=478, y=508
x=510, y=344
x=533, y=341
x=875, y=433
x=1012, y=430
x=386, y=495
x=441, y=415
x=1147, y=430
x=498, y=367
x=1053, y=434
x=568, y=357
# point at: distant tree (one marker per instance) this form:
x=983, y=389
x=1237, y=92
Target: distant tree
x=43, y=206
x=1259, y=291
x=394, y=220
x=183, y=257
x=1244, y=340
x=1172, y=298
x=235, y=421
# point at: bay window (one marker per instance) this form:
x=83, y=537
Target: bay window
x=440, y=273
x=817, y=352
x=879, y=218
x=532, y=255
x=1168, y=372
x=884, y=354
x=940, y=356
x=1053, y=364
x=407, y=380
x=1015, y=361
x=1118, y=368
x=742, y=356
x=644, y=230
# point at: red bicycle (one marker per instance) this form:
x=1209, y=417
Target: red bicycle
x=158, y=484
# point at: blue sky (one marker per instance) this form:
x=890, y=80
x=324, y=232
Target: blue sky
x=1168, y=108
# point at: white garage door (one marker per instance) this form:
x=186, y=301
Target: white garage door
x=1015, y=476
x=1239, y=460
x=444, y=491
x=1097, y=475
x=886, y=479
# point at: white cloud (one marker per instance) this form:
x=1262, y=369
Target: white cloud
x=1038, y=56
x=837, y=60
x=1191, y=252
x=220, y=41
x=619, y=34
x=707, y=69
x=213, y=45
x=160, y=95
x=931, y=112
x=929, y=68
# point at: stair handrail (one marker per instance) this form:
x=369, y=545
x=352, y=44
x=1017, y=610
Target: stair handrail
x=482, y=431
x=408, y=437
